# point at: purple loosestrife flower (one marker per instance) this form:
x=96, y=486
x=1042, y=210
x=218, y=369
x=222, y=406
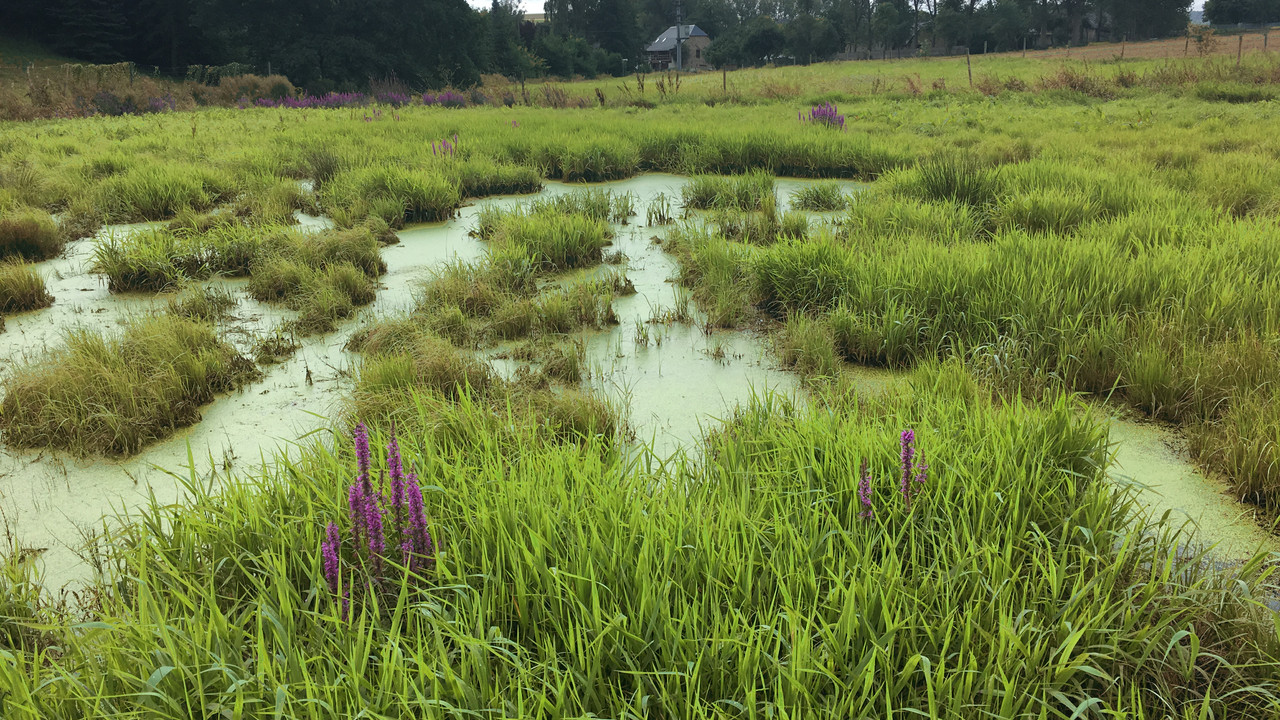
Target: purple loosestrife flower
x=329, y=551
x=366, y=515
x=864, y=491
x=395, y=472
x=362, y=453
x=421, y=548
x=373, y=526
x=908, y=445
x=355, y=507
x=825, y=114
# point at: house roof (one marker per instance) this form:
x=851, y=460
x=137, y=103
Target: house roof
x=667, y=40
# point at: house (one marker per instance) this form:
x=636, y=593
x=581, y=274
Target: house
x=661, y=53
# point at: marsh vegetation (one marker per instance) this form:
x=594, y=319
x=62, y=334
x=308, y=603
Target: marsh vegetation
x=953, y=544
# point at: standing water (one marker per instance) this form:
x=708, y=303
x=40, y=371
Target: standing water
x=671, y=387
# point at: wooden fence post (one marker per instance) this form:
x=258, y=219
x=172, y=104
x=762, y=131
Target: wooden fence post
x=969, y=65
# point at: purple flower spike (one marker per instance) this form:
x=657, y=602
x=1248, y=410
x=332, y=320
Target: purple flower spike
x=825, y=114
x=908, y=443
x=329, y=551
x=362, y=450
x=864, y=492
x=355, y=506
x=373, y=526
x=419, y=537
x=395, y=473
x=395, y=496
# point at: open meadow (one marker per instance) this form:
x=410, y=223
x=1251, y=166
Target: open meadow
x=855, y=390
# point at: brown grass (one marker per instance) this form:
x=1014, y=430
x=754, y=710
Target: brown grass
x=1153, y=49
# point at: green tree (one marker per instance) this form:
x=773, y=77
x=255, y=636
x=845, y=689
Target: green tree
x=891, y=23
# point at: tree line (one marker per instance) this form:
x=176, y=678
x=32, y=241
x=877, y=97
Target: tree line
x=327, y=45
x=1251, y=12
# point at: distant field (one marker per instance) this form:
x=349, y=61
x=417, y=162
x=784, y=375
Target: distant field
x=1254, y=41
x=906, y=75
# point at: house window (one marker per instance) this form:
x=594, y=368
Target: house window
x=697, y=53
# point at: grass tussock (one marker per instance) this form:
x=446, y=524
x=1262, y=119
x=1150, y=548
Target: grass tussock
x=22, y=288
x=190, y=248
x=323, y=294
x=394, y=194
x=551, y=240
x=496, y=299
x=325, y=276
x=204, y=303
x=29, y=234
x=600, y=205
x=482, y=179
x=740, y=192
x=113, y=394
x=820, y=197
x=160, y=191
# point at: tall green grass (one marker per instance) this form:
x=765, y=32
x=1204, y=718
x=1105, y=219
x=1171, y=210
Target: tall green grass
x=573, y=581
x=208, y=304
x=742, y=192
x=820, y=197
x=160, y=191
x=113, y=394
x=553, y=241
x=29, y=234
x=324, y=276
x=190, y=248
x=394, y=194
x=22, y=288
x=1180, y=323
